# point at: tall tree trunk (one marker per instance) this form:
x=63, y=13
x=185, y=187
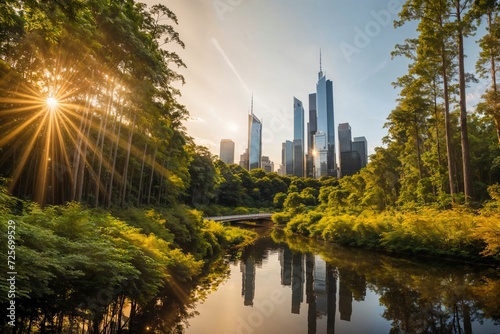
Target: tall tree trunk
x=447, y=121
x=436, y=113
x=419, y=153
x=83, y=161
x=78, y=151
x=152, y=175
x=463, y=109
x=139, y=192
x=100, y=143
x=127, y=159
x=114, y=155
x=494, y=88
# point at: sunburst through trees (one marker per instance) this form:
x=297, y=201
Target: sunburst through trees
x=87, y=107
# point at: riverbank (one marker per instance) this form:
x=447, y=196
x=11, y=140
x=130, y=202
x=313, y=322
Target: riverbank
x=461, y=234
x=81, y=268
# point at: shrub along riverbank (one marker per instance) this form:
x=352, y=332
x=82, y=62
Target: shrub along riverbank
x=77, y=266
x=462, y=233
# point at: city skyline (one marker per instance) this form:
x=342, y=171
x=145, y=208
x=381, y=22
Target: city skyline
x=271, y=50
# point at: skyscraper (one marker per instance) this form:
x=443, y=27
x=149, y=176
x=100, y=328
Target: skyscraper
x=227, y=151
x=254, y=140
x=311, y=130
x=244, y=159
x=287, y=157
x=352, y=154
x=325, y=122
x=267, y=165
x=298, y=138
x=320, y=154
x=360, y=145
x=345, y=137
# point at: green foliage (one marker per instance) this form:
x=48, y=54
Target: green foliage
x=281, y=218
x=279, y=200
x=78, y=262
x=120, y=93
x=452, y=233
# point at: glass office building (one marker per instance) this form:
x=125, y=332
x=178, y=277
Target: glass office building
x=227, y=151
x=298, y=138
x=287, y=157
x=254, y=142
x=360, y=145
x=311, y=130
x=320, y=154
x=345, y=138
x=325, y=121
x=352, y=153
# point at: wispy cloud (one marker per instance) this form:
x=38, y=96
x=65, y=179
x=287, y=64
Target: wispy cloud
x=230, y=64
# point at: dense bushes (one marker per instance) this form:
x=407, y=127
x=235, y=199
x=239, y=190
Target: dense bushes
x=79, y=266
x=459, y=232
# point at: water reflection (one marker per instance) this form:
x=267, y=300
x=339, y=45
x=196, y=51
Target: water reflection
x=295, y=285
x=247, y=268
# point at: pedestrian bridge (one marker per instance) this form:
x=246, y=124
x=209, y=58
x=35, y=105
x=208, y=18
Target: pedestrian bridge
x=240, y=218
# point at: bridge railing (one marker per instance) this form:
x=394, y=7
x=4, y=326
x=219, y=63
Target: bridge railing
x=230, y=218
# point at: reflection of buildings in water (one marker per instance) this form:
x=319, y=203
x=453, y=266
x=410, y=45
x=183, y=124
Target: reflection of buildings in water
x=320, y=289
x=310, y=296
x=320, y=282
x=345, y=299
x=285, y=257
x=297, y=282
x=331, y=288
x=247, y=269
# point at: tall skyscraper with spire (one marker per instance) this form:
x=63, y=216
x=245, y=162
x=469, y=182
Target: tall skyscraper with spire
x=254, y=140
x=324, y=139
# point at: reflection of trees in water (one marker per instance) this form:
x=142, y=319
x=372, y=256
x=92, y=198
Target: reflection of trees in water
x=418, y=297
x=171, y=310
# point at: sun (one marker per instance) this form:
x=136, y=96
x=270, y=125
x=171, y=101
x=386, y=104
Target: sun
x=233, y=127
x=52, y=103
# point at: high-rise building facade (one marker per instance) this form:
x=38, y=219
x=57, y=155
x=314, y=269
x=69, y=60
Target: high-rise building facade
x=311, y=130
x=360, y=145
x=287, y=157
x=254, y=141
x=344, y=137
x=298, y=138
x=267, y=165
x=227, y=151
x=352, y=154
x=325, y=122
x=320, y=154
x=244, y=159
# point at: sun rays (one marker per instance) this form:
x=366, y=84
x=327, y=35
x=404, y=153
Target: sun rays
x=56, y=132
x=39, y=124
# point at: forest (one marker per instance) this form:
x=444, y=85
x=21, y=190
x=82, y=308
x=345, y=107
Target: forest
x=108, y=191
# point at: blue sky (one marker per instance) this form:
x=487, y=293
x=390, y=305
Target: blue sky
x=236, y=48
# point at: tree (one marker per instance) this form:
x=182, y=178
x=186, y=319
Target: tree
x=204, y=176
x=438, y=28
x=487, y=64
x=112, y=97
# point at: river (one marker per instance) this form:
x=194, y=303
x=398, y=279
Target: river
x=298, y=285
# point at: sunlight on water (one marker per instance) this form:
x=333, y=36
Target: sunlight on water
x=297, y=288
